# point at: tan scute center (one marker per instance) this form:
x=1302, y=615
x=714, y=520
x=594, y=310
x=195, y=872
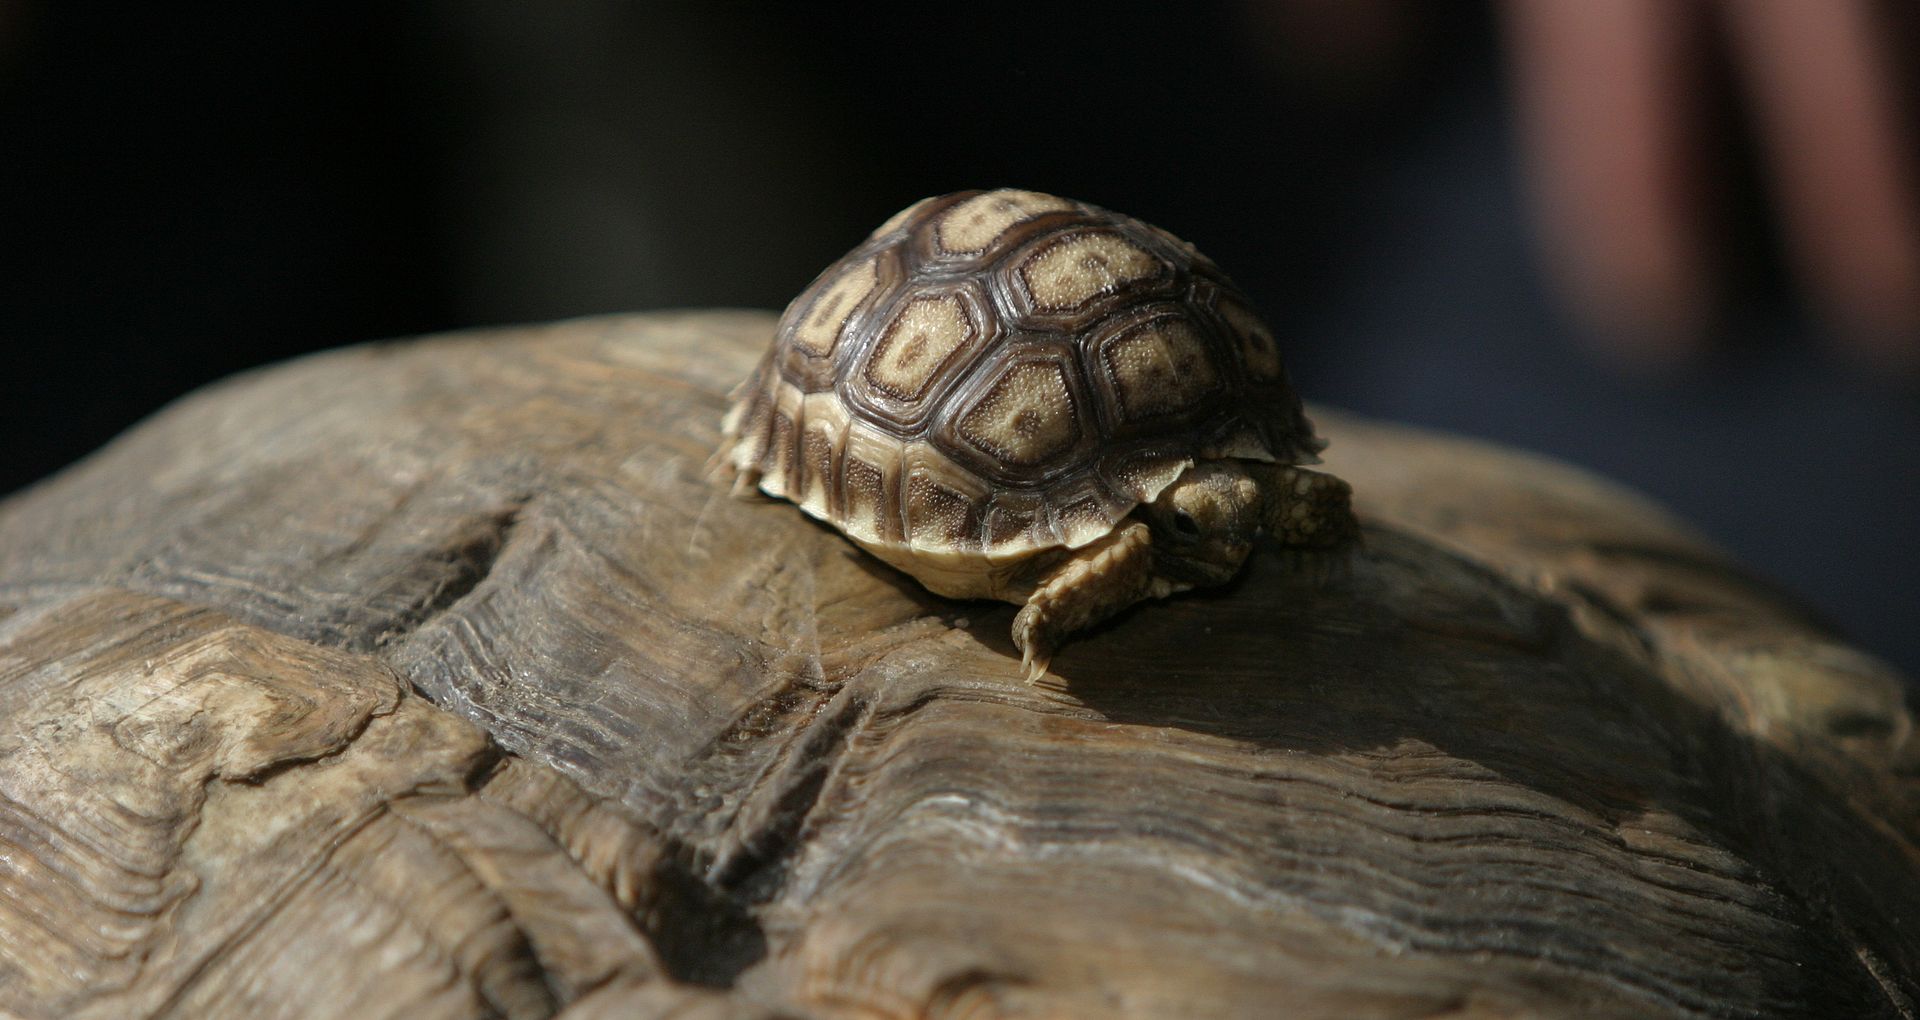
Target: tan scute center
x=919, y=340
x=820, y=330
x=1160, y=367
x=1026, y=417
x=1067, y=275
x=974, y=224
x=1256, y=342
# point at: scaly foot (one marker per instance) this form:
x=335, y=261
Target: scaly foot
x=1306, y=509
x=1096, y=582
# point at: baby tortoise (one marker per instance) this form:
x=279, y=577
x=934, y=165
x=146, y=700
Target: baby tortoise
x=1014, y=396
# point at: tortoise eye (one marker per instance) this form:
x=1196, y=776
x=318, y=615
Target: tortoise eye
x=1184, y=524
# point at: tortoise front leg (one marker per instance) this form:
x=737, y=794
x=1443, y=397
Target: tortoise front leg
x=1096, y=582
x=1305, y=509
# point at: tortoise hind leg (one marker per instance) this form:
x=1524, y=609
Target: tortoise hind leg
x=1305, y=509
x=1093, y=584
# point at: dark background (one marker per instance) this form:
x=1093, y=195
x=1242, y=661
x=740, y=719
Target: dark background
x=186, y=193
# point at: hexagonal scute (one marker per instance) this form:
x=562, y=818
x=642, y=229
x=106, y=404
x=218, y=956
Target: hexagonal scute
x=1160, y=367
x=869, y=499
x=973, y=226
x=1142, y=473
x=818, y=322
x=1026, y=415
x=909, y=217
x=1070, y=279
x=832, y=302
x=917, y=352
x=942, y=502
x=1258, y=350
x=782, y=437
x=823, y=428
x=1016, y=518
x=1181, y=245
x=1084, y=510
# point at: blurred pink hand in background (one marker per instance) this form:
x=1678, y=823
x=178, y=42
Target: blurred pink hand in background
x=1621, y=156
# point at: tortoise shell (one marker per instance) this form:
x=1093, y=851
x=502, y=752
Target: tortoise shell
x=1007, y=372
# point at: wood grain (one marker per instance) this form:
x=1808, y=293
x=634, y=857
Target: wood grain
x=434, y=679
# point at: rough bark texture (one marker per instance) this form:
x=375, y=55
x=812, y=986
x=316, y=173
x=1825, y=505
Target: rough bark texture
x=434, y=679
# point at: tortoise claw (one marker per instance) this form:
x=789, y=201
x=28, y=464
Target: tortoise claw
x=1097, y=581
x=1036, y=646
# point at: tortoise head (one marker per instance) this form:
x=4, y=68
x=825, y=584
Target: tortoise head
x=1204, y=523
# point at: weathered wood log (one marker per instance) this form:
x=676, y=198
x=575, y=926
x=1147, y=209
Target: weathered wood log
x=435, y=679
